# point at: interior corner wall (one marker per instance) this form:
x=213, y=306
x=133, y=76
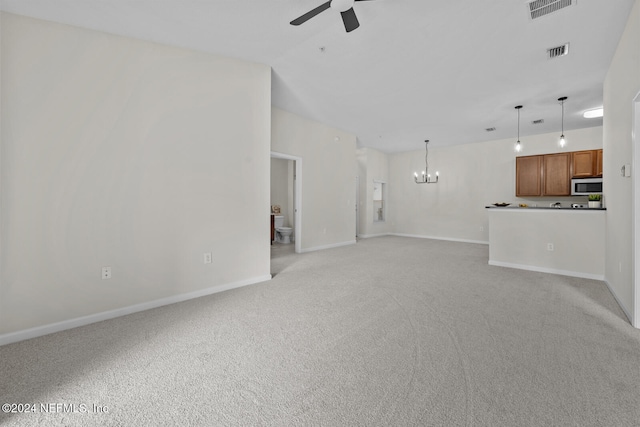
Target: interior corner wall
x=134, y=155
x=621, y=86
x=328, y=178
x=373, y=165
x=472, y=176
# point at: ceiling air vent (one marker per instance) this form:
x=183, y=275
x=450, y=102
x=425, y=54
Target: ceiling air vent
x=538, y=122
x=540, y=8
x=555, y=52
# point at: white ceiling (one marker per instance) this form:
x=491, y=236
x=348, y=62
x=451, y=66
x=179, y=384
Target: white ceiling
x=414, y=70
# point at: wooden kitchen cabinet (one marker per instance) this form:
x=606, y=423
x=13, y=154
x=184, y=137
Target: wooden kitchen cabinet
x=586, y=164
x=529, y=176
x=556, y=174
x=543, y=175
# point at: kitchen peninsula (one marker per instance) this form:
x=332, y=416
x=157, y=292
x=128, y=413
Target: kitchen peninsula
x=552, y=240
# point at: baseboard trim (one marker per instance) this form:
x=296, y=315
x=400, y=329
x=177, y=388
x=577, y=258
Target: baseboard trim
x=334, y=245
x=368, y=236
x=548, y=270
x=622, y=307
x=39, y=331
x=449, y=239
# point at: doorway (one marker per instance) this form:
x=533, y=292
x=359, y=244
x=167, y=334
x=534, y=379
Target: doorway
x=294, y=197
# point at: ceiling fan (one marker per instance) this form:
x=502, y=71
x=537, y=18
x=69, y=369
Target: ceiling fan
x=345, y=7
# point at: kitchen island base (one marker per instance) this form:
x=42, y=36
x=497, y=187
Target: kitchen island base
x=569, y=242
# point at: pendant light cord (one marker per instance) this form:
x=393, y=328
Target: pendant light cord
x=562, y=99
x=426, y=156
x=518, y=147
x=563, y=117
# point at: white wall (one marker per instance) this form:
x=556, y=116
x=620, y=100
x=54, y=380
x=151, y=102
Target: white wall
x=472, y=176
x=621, y=85
x=328, y=177
x=281, y=187
x=373, y=165
x=118, y=152
x=361, y=164
x=290, y=213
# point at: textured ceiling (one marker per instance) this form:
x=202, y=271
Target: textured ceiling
x=414, y=70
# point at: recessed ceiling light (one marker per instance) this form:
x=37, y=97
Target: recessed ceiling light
x=592, y=114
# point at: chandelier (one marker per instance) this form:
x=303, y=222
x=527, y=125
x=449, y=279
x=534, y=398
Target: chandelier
x=426, y=176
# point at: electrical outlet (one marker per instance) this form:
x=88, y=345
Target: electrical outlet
x=106, y=273
x=550, y=247
x=207, y=258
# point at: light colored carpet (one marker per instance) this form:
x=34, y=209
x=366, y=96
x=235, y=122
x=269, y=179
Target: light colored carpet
x=391, y=331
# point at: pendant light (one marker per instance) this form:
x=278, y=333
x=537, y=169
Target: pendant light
x=563, y=141
x=518, y=147
x=426, y=176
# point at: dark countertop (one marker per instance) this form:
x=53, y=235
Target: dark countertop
x=546, y=207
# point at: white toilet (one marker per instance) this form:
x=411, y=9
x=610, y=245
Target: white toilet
x=283, y=234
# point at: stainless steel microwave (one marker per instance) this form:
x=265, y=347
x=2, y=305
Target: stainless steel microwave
x=586, y=186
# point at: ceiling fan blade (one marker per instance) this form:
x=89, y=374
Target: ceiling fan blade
x=350, y=20
x=304, y=18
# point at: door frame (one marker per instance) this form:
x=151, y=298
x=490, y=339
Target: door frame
x=297, y=196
